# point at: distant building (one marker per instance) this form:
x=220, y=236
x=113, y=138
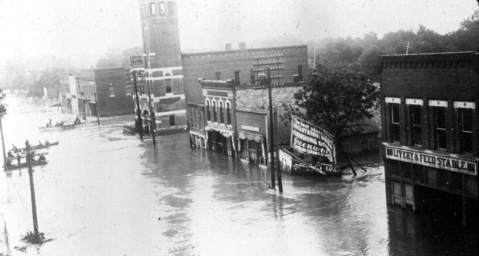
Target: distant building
x=107, y=85
x=430, y=131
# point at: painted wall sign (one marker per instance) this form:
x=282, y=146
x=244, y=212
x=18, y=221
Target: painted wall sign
x=309, y=139
x=250, y=128
x=432, y=160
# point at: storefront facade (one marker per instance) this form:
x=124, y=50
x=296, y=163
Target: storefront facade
x=430, y=130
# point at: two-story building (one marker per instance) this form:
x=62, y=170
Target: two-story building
x=430, y=131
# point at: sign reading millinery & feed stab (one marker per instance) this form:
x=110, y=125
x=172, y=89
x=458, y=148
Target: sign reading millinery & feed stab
x=310, y=139
x=439, y=161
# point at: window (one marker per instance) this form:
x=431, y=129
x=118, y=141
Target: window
x=215, y=119
x=208, y=113
x=172, y=120
x=237, y=78
x=162, y=9
x=112, y=91
x=171, y=8
x=228, y=113
x=129, y=89
x=218, y=75
x=416, y=127
x=300, y=72
x=466, y=135
x=222, y=119
x=252, y=77
x=152, y=9
x=440, y=127
x=394, y=127
x=168, y=85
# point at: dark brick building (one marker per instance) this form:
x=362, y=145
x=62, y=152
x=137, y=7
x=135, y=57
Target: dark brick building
x=109, y=86
x=430, y=131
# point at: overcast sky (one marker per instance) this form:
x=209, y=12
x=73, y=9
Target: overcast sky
x=83, y=30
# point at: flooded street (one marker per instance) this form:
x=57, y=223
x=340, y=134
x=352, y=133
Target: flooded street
x=106, y=193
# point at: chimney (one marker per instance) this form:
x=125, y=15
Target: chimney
x=242, y=45
x=228, y=47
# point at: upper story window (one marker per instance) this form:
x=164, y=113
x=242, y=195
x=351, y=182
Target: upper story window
x=152, y=9
x=415, y=117
x=253, y=80
x=162, y=8
x=438, y=109
x=237, y=77
x=300, y=72
x=171, y=8
x=112, y=91
x=228, y=113
x=168, y=85
x=215, y=119
x=218, y=75
x=172, y=120
x=208, y=113
x=393, y=108
x=222, y=118
x=465, y=111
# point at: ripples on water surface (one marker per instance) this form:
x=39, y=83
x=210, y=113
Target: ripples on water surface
x=105, y=193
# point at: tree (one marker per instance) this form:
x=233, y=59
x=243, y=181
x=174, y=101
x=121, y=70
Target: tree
x=370, y=61
x=116, y=58
x=335, y=100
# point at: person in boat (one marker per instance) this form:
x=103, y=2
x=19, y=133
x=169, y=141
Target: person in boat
x=41, y=158
x=10, y=153
x=49, y=122
x=14, y=149
x=27, y=146
x=40, y=144
x=18, y=158
x=47, y=143
x=8, y=162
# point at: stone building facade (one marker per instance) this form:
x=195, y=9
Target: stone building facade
x=430, y=131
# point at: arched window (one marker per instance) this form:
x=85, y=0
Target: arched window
x=215, y=118
x=222, y=118
x=228, y=113
x=208, y=113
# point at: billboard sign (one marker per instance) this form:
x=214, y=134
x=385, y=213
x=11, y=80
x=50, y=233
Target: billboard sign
x=310, y=139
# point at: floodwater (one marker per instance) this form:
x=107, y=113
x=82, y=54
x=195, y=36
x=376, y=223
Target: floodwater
x=105, y=193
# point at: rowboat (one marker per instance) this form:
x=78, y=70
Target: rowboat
x=40, y=146
x=24, y=154
x=58, y=127
x=24, y=165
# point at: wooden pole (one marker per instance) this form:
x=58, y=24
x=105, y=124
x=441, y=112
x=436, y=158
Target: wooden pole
x=278, y=171
x=271, y=130
x=29, y=159
x=152, y=113
x=138, y=110
x=97, y=108
x=3, y=144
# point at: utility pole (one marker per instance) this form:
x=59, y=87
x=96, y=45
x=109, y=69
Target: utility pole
x=138, y=110
x=152, y=113
x=271, y=129
x=3, y=144
x=97, y=107
x=278, y=171
x=29, y=159
x=82, y=95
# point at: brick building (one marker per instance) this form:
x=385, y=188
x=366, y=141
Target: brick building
x=430, y=131
x=172, y=77
x=234, y=120
x=108, y=86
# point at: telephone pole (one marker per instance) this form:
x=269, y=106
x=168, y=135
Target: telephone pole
x=271, y=129
x=29, y=159
x=3, y=143
x=138, y=110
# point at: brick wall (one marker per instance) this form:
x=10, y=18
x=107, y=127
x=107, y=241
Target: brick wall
x=206, y=65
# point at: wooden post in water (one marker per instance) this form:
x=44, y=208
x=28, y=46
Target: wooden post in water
x=29, y=160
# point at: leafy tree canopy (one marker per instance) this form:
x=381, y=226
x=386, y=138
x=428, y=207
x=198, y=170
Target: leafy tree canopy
x=335, y=100
x=3, y=106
